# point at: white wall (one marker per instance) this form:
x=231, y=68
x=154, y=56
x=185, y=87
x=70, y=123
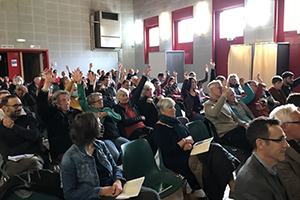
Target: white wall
x=62, y=26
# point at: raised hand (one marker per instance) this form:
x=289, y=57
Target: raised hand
x=90, y=76
x=119, y=66
x=225, y=91
x=137, y=71
x=68, y=69
x=167, y=72
x=259, y=78
x=124, y=71
x=242, y=82
x=77, y=75
x=148, y=70
x=186, y=76
x=91, y=66
x=49, y=77
x=212, y=64
x=206, y=68
x=175, y=74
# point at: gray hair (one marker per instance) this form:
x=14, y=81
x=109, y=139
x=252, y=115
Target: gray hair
x=164, y=104
x=120, y=92
x=91, y=98
x=283, y=113
x=148, y=85
x=233, y=75
x=213, y=83
x=4, y=92
x=55, y=97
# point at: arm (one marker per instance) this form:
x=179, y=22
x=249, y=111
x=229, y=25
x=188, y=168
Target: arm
x=30, y=99
x=70, y=182
x=69, y=86
x=166, y=81
x=214, y=110
x=206, y=75
x=126, y=121
x=184, y=89
x=82, y=98
x=249, y=94
x=296, y=82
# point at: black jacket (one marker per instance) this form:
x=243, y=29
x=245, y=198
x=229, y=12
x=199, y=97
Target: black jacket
x=149, y=111
x=58, y=124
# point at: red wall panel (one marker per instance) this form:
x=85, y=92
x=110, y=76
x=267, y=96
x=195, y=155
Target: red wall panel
x=13, y=70
x=188, y=48
x=148, y=24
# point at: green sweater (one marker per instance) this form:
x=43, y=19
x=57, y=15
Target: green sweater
x=115, y=117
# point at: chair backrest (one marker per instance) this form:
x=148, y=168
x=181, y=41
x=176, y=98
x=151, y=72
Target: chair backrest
x=198, y=130
x=183, y=120
x=212, y=130
x=138, y=159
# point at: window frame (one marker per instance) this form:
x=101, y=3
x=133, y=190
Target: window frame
x=149, y=23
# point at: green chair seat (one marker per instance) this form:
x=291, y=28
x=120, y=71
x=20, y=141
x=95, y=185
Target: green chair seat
x=138, y=161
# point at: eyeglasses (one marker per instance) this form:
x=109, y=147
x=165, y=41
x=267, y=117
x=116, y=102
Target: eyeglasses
x=220, y=88
x=297, y=122
x=279, y=140
x=100, y=100
x=16, y=106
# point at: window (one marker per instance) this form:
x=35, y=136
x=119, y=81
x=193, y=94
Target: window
x=185, y=31
x=291, y=15
x=151, y=33
x=154, y=37
x=232, y=23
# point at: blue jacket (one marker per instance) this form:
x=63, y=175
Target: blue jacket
x=79, y=172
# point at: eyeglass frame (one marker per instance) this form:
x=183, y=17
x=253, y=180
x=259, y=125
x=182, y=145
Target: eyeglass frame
x=297, y=122
x=278, y=140
x=16, y=106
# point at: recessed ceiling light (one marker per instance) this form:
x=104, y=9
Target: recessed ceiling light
x=21, y=40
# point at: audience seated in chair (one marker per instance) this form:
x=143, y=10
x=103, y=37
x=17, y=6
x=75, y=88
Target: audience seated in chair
x=176, y=142
x=258, y=178
x=19, y=135
x=229, y=127
x=88, y=169
x=289, y=117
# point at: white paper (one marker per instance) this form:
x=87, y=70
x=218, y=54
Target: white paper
x=19, y=157
x=201, y=146
x=131, y=188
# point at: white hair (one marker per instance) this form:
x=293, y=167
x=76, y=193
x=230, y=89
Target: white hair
x=233, y=75
x=120, y=92
x=283, y=113
x=148, y=85
x=164, y=104
x=213, y=83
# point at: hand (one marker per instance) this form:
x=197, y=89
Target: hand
x=137, y=71
x=148, y=70
x=107, y=191
x=102, y=114
x=175, y=74
x=77, y=75
x=143, y=118
x=277, y=103
x=149, y=100
x=187, y=147
x=186, y=76
x=242, y=82
x=212, y=64
x=119, y=66
x=8, y=122
x=259, y=78
x=167, y=73
x=189, y=140
x=225, y=91
x=67, y=67
x=159, y=97
x=246, y=125
x=206, y=68
x=49, y=78
x=90, y=76
x=124, y=71
x=117, y=188
x=23, y=88
x=91, y=66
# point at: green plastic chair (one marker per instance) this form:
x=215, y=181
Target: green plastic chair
x=138, y=161
x=198, y=130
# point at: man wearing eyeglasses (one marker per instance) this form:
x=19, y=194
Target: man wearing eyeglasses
x=290, y=166
x=18, y=135
x=258, y=178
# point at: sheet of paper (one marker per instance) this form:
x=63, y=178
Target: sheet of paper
x=201, y=146
x=131, y=188
x=19, y=157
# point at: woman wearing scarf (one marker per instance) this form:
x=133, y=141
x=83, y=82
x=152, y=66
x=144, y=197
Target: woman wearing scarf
x=175, y=142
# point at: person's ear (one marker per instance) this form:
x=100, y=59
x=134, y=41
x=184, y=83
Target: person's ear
x=260, y=143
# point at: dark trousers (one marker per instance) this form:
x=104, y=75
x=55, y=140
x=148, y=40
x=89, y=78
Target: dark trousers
x=147, y=133
x=145, y=194
x=237, y=138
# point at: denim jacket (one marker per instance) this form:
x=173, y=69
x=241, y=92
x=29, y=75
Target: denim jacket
x=79, y=172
